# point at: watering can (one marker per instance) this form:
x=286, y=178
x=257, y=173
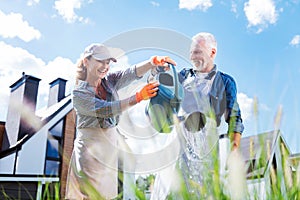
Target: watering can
x=163, y=108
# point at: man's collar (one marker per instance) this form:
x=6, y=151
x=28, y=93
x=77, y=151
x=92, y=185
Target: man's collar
x=209, y=74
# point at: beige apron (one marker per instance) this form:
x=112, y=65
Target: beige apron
x=94, y=165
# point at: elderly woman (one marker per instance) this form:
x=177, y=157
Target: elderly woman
x=93, y=172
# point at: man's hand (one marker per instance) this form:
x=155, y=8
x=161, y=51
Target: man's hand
x=236, y=139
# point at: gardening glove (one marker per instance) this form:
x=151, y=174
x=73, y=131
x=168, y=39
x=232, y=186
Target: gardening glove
x=147, y=92
x=161, y=60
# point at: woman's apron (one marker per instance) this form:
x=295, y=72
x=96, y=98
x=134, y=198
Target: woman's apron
x=94, y=165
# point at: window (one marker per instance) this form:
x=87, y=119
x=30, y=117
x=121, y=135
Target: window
x=54, y=146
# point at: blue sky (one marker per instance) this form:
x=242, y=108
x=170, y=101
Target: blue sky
x=258, y=44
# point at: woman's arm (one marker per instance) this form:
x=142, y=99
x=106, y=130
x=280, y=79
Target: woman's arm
x=152, y=63
x=143, y=67
x=86, y=103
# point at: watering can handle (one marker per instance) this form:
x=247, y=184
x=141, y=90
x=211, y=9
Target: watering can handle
x=175, y=79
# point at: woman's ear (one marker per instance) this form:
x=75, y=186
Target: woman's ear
x=85, y=62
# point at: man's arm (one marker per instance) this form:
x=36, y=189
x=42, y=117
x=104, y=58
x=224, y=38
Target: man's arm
x=235, y=141
x=233, y=113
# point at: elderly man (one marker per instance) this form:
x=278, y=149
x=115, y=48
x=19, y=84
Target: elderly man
x=209, y=95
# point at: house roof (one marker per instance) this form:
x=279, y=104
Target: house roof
x=295, y=160
x=252, y=146
x=46, y=113
x=295, y=156
x=258, y=151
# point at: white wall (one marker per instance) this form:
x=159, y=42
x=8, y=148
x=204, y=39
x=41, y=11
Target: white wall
x=257, y=189
x=7, y=164
x=31, y=158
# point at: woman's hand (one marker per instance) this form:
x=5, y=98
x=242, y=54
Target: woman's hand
x=161, y=61
x=147, y=92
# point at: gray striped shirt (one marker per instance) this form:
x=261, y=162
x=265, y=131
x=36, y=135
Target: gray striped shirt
x=92, y=111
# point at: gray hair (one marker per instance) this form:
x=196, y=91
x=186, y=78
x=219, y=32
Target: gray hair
x=209, y=39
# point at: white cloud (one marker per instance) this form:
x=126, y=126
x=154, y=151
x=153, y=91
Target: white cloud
x=195, y=4
x=295, y=41
x=246, y=105
x=122, y=62
x=250, y=107
x=18, y=59
x=66, y=8
x=32, y=2
x=15, y=60
x=154, y=3
x=13, y=25
x=260, y=13
x=58, y=68
x=234, y=7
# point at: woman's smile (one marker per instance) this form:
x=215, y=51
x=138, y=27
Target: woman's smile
x=102, y=71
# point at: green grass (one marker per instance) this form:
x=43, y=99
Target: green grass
x=281, y=182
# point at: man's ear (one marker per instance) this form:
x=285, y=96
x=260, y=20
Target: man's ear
x=213, y=51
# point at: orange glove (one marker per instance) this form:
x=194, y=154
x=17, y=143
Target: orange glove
x=147, y=92
x=161, y=60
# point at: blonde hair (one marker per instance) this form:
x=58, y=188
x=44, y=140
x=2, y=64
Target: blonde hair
x=209, y=39
x=81, y=72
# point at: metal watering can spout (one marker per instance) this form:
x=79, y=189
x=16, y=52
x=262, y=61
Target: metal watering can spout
x=162, y=108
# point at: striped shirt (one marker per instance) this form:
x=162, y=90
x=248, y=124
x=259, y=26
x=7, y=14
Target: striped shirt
x=91, y=110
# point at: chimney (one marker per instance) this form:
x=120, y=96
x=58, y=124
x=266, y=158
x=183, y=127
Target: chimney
x=57, y=91
x=22, y=100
